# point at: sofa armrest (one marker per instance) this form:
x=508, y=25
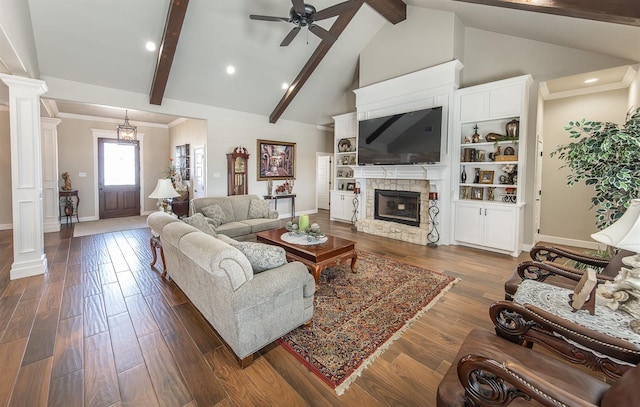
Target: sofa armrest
x=263, y=285
x=272, y=214
x=486, y=381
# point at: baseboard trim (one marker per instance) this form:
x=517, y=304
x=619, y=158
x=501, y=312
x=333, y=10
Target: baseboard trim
x=570, y=242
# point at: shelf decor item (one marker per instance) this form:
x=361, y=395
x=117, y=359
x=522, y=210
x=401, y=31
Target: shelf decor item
x=463, y=176
x=513, y=129
x=477, y=193
x=486, y=177
x=344, y=145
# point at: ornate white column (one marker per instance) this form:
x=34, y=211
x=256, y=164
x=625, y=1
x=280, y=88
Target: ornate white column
x=26, y=175
x=50, y=199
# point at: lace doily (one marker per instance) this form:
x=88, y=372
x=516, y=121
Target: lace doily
x=302, y=239
x=556, y=301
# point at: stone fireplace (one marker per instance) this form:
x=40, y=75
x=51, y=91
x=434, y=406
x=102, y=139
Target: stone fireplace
x=397, y=206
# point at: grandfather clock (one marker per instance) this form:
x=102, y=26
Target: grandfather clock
x=237, y=172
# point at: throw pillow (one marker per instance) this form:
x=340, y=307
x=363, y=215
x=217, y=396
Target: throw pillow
x=215, y=213
x=199, y=222
x=262, y=257
x=258, y=209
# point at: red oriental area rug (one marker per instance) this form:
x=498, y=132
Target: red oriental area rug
x=358, y=315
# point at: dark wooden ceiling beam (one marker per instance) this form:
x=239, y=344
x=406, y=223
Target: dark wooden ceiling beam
x=394, y=11
x=314, y=60
x=612, y=11
x=167, y=49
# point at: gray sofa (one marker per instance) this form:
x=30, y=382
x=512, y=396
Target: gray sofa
x=236, y=210
x=248, y=310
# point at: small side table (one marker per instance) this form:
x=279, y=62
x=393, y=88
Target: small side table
x=68, y=195
x=284, y=196
x=156, y=244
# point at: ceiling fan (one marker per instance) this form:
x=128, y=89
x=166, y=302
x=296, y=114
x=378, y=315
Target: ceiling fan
x=305, y=15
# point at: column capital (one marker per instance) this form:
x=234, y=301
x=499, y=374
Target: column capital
x=39, y=86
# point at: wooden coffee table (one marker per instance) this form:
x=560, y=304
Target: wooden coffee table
x=316, y=257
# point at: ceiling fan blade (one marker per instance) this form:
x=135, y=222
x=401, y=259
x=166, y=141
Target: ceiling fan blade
x=268, y=18
x=292, y=34
x=298, y=6
x=333, y=11
x=322, y=33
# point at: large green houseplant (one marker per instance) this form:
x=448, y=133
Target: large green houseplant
x=607, y=156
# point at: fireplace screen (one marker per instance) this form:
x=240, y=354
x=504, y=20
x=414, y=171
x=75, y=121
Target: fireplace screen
x=397, y=206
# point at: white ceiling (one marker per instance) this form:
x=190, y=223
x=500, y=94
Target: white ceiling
x=102, y=43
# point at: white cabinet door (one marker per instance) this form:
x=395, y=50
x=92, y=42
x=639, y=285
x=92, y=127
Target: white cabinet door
x=486, y=225
x=500, y=227
x=341, y=206
x=469, y=223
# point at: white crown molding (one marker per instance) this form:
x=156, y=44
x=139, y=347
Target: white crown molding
x=50, y=106
x=109, y=120
x=177, y=121
x=11, y=60
x=628, y=77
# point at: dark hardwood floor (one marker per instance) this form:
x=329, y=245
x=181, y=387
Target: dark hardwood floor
x=101, y=328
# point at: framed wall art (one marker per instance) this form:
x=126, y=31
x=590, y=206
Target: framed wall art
x=486, y=177
x=477, y=193
x=276, y=160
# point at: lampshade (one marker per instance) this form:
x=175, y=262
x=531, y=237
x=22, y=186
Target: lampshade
x=625, y=232
x=164, y=190
x=126, y=132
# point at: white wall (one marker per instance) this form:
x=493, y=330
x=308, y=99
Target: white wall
x=634, y=91
x=566, y=211
x=226, y=129
x=6, y=216
x=76, y=154
x=426, y=38
x=430, y=38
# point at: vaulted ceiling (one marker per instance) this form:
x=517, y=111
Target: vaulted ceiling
x=102, y=43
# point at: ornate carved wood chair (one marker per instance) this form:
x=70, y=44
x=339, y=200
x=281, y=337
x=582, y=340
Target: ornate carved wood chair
x=546, y=266
x=611, y=349
x=491, y=371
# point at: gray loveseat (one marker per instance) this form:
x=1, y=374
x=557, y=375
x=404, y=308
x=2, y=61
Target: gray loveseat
x=248, y=311
x=237, y=222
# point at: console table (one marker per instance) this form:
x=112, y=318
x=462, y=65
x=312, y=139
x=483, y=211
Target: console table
x=284, y=196
x=68, y=195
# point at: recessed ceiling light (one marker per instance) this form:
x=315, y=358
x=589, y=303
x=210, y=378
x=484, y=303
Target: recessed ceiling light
x=231, y=69
x=285, y=85
x=150, y=46
x=591, y=80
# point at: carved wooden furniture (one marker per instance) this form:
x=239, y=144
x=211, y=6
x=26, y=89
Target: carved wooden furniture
x=237, y=183
x=66, y=196
x=316, y=257
x=156, y=244
x=283, y=196
x=547, y=266
x=527, y=325
x=490, y=371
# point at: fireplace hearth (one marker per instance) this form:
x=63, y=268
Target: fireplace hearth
x=397, y=206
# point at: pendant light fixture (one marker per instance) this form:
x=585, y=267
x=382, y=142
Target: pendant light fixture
x=126, y=132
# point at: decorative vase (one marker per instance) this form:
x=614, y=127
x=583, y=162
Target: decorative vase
x=513, y=128
x=463, y=176
x=476, y=178
x=68, y=210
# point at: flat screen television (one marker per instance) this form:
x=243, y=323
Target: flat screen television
x=403, y=138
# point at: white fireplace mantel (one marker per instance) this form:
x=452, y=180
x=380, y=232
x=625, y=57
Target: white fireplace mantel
x=432, y=172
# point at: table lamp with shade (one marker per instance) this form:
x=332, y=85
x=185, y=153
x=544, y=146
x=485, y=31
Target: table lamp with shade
x=625, y=234
x=164, y=193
